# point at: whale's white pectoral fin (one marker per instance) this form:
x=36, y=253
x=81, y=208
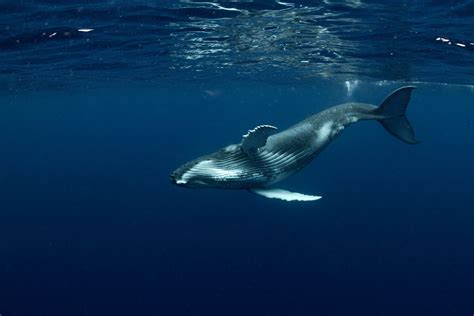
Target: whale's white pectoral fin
x=284, y=195
x=256, y=138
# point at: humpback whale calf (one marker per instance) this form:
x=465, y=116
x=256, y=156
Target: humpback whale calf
x=265, y=157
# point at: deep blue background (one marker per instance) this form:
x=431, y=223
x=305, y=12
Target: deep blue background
x=91, y=225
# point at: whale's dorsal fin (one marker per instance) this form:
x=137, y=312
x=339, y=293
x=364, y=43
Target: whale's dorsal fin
x=284, y=195
x=256, y=138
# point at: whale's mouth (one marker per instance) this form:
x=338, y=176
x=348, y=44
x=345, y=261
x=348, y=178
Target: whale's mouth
x=194, y=183
x=180, y=181
x=174, y=179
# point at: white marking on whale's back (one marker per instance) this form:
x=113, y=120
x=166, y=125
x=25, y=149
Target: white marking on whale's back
x=353, y=119
x=324, y=132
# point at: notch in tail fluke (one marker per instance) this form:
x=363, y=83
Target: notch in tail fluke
x=393, y=110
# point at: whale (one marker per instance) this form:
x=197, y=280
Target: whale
x=264, y=157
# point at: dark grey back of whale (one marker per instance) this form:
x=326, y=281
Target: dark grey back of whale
x=287, y=152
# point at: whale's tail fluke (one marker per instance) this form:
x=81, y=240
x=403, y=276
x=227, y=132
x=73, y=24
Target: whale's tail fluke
x=393, y=110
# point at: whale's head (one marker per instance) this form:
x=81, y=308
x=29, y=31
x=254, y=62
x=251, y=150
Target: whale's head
x=226, y=168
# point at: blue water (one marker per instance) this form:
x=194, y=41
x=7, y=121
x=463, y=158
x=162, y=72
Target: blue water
x=92, y=123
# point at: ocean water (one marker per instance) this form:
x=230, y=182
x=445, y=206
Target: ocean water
x=101, y=100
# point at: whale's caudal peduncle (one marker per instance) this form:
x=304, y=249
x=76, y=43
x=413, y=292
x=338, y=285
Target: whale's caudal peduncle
x=265, y=156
